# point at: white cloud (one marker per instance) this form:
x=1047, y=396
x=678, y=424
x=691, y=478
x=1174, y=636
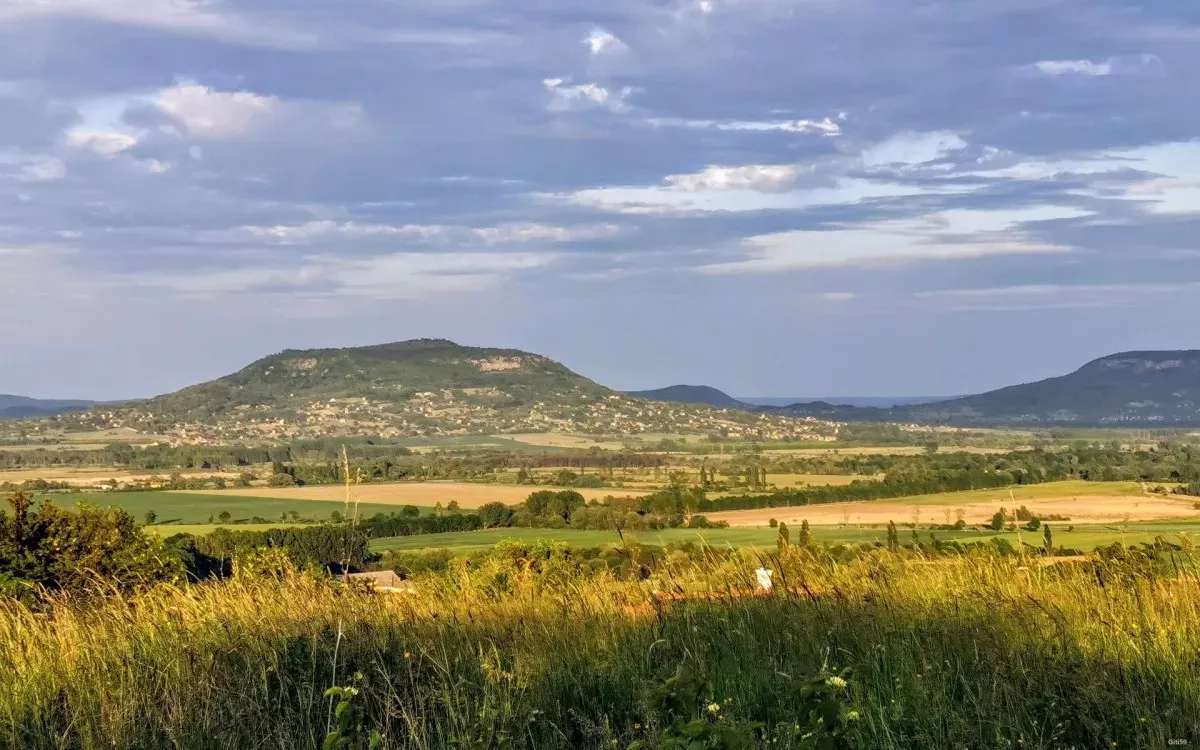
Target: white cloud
x=206, y=113
x=565, y=96
x=531, y=232
x=191, y=17
x=1073, y=67
x=309, y=231
x=826, y=126
x=911, y=149
x=298, y=234
x=600, y=41
x=155, y=165
x=1171, y=184
x=394, y=276
x=102, y=142
x=767, y=177
x=42, y=169
x=675, y=200
x=945, y=235
x=406, y=276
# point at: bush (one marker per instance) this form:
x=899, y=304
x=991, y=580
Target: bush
x=55, y=549
x=281, y=480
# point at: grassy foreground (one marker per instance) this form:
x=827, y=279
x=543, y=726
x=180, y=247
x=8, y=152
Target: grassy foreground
x=977, y=652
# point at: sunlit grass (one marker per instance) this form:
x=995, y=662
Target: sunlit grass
x=974, y=652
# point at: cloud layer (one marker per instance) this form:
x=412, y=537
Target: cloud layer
x=913, y=177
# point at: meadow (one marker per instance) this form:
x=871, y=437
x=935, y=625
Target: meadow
x=466, y=494
x=886, y=651
x=1084, y=537
x=191, y=508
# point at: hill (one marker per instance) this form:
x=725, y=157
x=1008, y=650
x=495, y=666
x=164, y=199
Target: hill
x=691, y=394
x=1149, y=388
x=423, y=387
x=23, y=407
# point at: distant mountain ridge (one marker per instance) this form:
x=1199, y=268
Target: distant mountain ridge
x=691, y=394
x=24, y=407
x=877, y=401
x=1137, y=388
x=417, y=388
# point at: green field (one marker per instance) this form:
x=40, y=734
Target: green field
x=195, y=508
x=1084, y=537
x=1029, y=492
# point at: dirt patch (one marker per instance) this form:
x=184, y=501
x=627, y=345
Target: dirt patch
x=498, y=364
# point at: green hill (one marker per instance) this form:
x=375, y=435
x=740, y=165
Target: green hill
x=415, y=388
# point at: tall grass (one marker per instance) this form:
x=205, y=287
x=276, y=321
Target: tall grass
x=975, y=652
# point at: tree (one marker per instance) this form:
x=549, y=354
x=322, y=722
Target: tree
x=452, y=508
x=806, y=538
x=150, y=517
x=998, y=521
x=774, y=523
x=785, y=537
x=1048, y=539
x=544, y=503
x=337, y=517
x=495, y=515
x=893, y=536
x=225, y=516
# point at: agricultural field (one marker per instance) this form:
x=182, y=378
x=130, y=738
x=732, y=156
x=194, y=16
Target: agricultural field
x=189, y=508
x=54, y=438
x=1082, y=502
x=92, y=476
x=651, y=479
x=466, y=494
x=1084, y=537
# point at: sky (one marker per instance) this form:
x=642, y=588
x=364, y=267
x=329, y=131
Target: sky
x=773, y=197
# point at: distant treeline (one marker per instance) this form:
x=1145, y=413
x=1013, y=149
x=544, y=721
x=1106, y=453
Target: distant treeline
x=320, y=461
x=1166, y=461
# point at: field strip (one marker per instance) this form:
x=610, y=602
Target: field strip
x=1079, y=508
x=467, y=495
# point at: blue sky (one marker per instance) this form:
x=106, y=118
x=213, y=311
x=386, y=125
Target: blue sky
x=793, y=197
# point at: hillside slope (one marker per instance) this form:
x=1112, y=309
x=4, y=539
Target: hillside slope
x=691, y=394
x=1150, y=387
x=419, y=387
x=1144, y=388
